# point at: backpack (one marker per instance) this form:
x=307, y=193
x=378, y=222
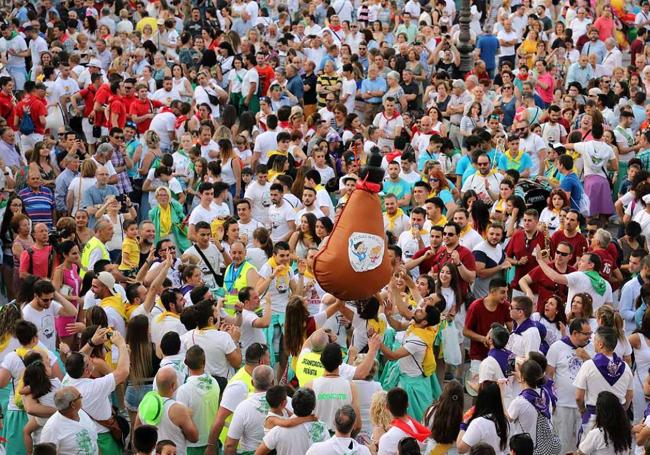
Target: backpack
x=26, y=125
x=547, y=442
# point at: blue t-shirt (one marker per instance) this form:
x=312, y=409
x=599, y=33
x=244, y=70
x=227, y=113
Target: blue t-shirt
x=426, y=156
x=488, y=45
x=571, y=184
x=400, y=188
x=524, y=163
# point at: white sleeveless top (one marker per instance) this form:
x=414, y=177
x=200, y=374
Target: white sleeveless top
x=642, y=358
x=331, y=393
x=168, y=430
x=227, y=173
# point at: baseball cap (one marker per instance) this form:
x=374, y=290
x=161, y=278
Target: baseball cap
x=107, y=280
x=595, y=91
x=95, y=62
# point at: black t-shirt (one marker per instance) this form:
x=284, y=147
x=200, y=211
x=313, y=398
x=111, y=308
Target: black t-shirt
x=412, y=89
x=194, y=27
x=310, y=95
x=451, y=69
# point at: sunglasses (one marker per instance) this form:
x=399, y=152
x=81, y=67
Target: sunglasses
x=483, y=164
x=563, y=253
x=448, y=234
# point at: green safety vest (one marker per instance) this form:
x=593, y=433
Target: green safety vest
x=232, y=290
x=243, y=376
x=309, y=367
x=92, y=244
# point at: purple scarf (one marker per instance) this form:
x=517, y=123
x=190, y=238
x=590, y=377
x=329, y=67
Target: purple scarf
x=611, y=370
x=538, y=401
x=502, y=356
x=548, y=392
x=521, y=328
x=566, y=340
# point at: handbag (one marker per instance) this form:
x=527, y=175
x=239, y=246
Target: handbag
x=117, y=425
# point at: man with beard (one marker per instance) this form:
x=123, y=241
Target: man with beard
x=532, y=144
x=309, y=204
x=460, y=256
x=565, y=357
x=491, y=261
x=147, y=236
x=538, y=287
x=521, y=246
x=484, y=182
x=571, y=235
x=281, y=215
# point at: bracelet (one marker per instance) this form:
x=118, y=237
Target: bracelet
x=93, y=345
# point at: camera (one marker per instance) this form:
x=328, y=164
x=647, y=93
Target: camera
x=121, y=198
x=55, y=237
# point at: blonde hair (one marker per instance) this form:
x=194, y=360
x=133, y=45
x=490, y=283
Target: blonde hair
x=373, y=370
x=379, y=415
x=151, y=138
x=88, y=168
x=606, y=316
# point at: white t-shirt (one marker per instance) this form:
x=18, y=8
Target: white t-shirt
x=316, y=212
x=44, y=322
x=250, y=334
x=216, y=344
x=71, y=436
x=167, y=324
x=279, y=289
x=201, y=395
x=248, y=229
x=524, y=417
x=591, y=380
x=280, y=218
x=164, y=124
x=166, y=97
x=338, y=446
x=490, y=370
x=507, y=36
x=522, y=344
x=199, y=213
x=260, y=198
x=323, y=199
x=483, y=430
x=532, y=145
x=595, y=155
x=15, y=366
x=410, y=245
x=562, y=357
x=349, y=87
x=213, y=256
x=296, y=440
x=247, y=423
x=390, y=440
x=579, y=282
x=96, y=395
x=265, y=143
x=594, y=444
x=411, y=365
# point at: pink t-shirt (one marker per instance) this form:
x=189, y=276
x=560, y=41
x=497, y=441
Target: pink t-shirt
x=605, y=27
x=545, y=94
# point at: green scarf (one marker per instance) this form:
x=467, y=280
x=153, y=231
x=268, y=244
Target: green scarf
x=597, y=282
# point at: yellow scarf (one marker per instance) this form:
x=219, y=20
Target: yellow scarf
x=309, y=274
x=115, y=302
x=500, y=205
x=392, y=219
x=492, y=172
x=166, y=313
x=165, y=220
x=319, y=187
x=442, y=221
x=465, y=230
x=378, y=325
x=282, y=279
x=274, y=264
x=516, y=159
x=427, y=335
x=214, y=229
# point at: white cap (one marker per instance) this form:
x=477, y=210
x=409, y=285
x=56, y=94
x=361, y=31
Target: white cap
x=108, y=280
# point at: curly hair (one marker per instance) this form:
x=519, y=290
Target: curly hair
x=379, y=415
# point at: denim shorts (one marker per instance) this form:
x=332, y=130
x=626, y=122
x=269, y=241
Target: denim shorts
x=133, y=395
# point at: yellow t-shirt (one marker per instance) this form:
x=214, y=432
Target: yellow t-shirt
x=130, y=254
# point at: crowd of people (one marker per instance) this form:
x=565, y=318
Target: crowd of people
x=171, y=170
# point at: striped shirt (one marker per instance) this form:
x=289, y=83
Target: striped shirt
x=38, y=204
x=326, y=81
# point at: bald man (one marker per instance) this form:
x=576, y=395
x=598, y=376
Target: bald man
x=176, y=424
x=70, y=429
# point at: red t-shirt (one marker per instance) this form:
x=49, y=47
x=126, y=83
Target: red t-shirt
x=101, y=97
x=7, y=107
x=518, y=247
x=544, y=287
x=426, y=265
x=266, y=77
x=608, y=263
x=88, y=94
x=37, y=108
x=479, y=319
x=128, y=100
x=40, y=258
x=578, y=242
x=442, y=256
x=117, y=107
x=636, y=47
x=139, y=108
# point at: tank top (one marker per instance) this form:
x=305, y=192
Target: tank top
x=71, y=278
x=332, y=392
x=168, y=430
x=25, y=244
x=227, y=173
x=642, y=358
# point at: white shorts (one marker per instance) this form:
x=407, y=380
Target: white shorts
x=566, y=422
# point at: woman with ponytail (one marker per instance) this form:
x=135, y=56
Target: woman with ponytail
x=607, y=317
x=262, y=248
x=531, y=404
x=487, y=422
x=444, y=418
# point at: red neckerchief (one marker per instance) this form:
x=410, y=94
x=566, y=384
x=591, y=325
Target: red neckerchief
x=393, y=117
x=180, y=120
x=420, y=433
x=166, y=109
x=392, y=155
x=335, y=28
